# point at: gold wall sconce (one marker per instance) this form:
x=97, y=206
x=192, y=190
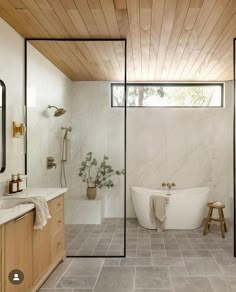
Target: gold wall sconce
x=18, y=129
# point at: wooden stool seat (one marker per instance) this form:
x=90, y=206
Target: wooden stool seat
x=219, y=207
x=216, y=206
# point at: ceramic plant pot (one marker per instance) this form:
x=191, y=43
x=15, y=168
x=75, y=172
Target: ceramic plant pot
x=91, y=193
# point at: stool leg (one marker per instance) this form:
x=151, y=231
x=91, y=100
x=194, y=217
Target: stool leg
x=221, y=224
x=207, y=221
x=223, y=216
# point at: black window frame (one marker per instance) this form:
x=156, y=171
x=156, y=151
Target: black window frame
x=180, y=84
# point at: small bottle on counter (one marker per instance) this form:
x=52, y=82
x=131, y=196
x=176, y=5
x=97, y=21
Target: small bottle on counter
x=19, y=183
x=13, y=185
x=23, y=177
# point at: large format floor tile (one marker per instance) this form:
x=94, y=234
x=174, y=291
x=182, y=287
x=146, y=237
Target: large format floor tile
x=191, y=284
x=85, y=267
x=82, y=290
x=153, y=290
x=220, y=284
x=152, y=277
x=82, y=282
x=171, y=261
x=91, y=239
x=202, y=266
x=168, y=261
x=57, y=274
x=137, y=261
x=115, y=279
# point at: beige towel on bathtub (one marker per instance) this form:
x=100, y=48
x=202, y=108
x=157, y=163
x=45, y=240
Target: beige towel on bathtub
x=158, y=209
x=41, y=210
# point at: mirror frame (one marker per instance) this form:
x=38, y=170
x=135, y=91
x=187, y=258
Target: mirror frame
x=3, y=166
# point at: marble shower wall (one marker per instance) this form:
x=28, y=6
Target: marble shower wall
x=191, y=147
x=46, y=85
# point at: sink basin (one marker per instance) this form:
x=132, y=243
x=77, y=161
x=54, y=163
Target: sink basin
x=9, y=203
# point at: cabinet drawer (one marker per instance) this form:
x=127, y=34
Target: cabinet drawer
x=57, y=221
x=41, y=252
x=56, y=204
x=58, y=243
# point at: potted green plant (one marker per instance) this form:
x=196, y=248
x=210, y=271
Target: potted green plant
x=97, y=175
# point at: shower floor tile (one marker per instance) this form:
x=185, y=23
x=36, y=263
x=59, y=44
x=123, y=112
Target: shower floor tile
x=172, y=261
x=102, y=240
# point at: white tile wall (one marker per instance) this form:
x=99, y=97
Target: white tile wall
x=12, y=73
x=46, y=85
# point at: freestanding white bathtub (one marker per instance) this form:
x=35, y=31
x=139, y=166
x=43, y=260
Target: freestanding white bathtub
x=185, y=209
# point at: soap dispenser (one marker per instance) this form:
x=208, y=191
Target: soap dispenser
x=19, y=183
x=13, y=185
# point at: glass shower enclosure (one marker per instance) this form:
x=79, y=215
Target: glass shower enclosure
x=76, y=139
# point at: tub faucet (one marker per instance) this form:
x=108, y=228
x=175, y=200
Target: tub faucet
x=169, y=185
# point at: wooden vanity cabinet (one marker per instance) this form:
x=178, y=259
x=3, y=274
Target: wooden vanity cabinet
x=41, y=252
x=18, y=251
x=35, y=252
x=1, y=264
x=56, y=208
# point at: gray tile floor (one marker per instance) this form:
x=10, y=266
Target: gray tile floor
x=172, y=261
x=101, y=240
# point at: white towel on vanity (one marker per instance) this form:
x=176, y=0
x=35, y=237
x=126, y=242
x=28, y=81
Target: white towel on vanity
x=41, y=210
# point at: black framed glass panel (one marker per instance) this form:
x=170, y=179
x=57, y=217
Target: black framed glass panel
x=80, y=139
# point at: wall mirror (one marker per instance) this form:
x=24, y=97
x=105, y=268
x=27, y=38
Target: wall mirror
x=70, y=117
x=2, y=126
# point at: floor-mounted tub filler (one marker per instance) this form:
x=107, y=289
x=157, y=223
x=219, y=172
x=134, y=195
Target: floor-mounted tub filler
x=185, y=209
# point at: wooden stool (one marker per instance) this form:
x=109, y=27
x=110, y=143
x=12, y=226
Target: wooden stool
x=221, y=219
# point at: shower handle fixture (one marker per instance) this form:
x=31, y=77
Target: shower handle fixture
x=51, y=162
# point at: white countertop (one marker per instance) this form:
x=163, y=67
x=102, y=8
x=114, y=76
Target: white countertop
x=11, y=213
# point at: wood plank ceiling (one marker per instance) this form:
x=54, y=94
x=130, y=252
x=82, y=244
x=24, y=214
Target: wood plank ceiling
x=167, y=40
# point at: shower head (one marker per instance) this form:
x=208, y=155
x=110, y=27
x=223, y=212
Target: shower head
x=58, y=112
